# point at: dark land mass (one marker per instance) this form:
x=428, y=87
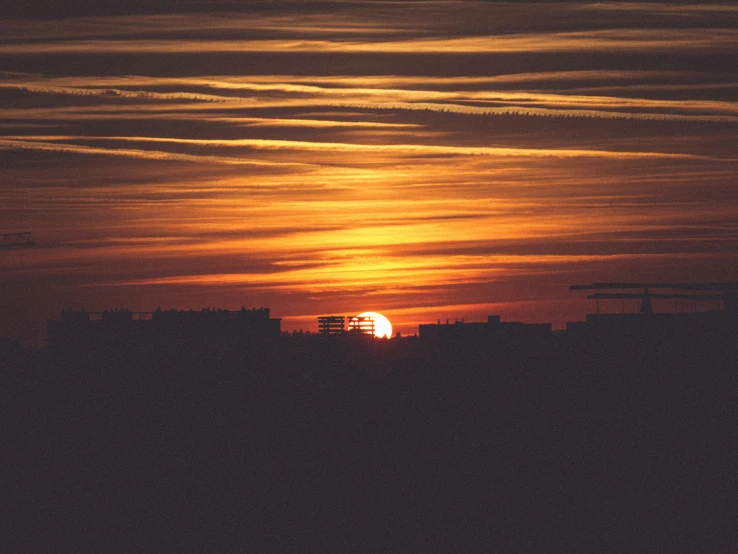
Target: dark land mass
x=308, y=444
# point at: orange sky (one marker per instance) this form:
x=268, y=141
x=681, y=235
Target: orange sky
x=424, y=160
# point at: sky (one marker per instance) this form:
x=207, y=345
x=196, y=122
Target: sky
x=426, y=159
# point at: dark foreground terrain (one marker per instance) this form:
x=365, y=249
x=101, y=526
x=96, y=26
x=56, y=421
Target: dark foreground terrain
x=304, y=445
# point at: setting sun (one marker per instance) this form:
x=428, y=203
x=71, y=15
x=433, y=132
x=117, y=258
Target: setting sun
x=382, y=325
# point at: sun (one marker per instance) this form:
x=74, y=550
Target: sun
x=382, y=325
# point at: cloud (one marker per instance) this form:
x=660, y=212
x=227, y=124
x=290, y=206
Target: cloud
x=615, y=40
x=266, y=144
x=47, y=146
x=288, y=92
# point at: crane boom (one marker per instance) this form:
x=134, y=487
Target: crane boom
x=682, y=286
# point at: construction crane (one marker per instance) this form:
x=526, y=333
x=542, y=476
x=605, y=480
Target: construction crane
x=17, y=240
x=722, y=292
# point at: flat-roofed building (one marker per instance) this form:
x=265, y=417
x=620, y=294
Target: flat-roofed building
x=483, y=331
x=83, y=329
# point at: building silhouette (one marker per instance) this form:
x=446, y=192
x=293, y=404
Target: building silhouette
x=491, y=330
x=338, y=325
x=186, y=328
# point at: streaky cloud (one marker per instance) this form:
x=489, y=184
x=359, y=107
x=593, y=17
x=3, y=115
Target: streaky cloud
x=407, y=149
